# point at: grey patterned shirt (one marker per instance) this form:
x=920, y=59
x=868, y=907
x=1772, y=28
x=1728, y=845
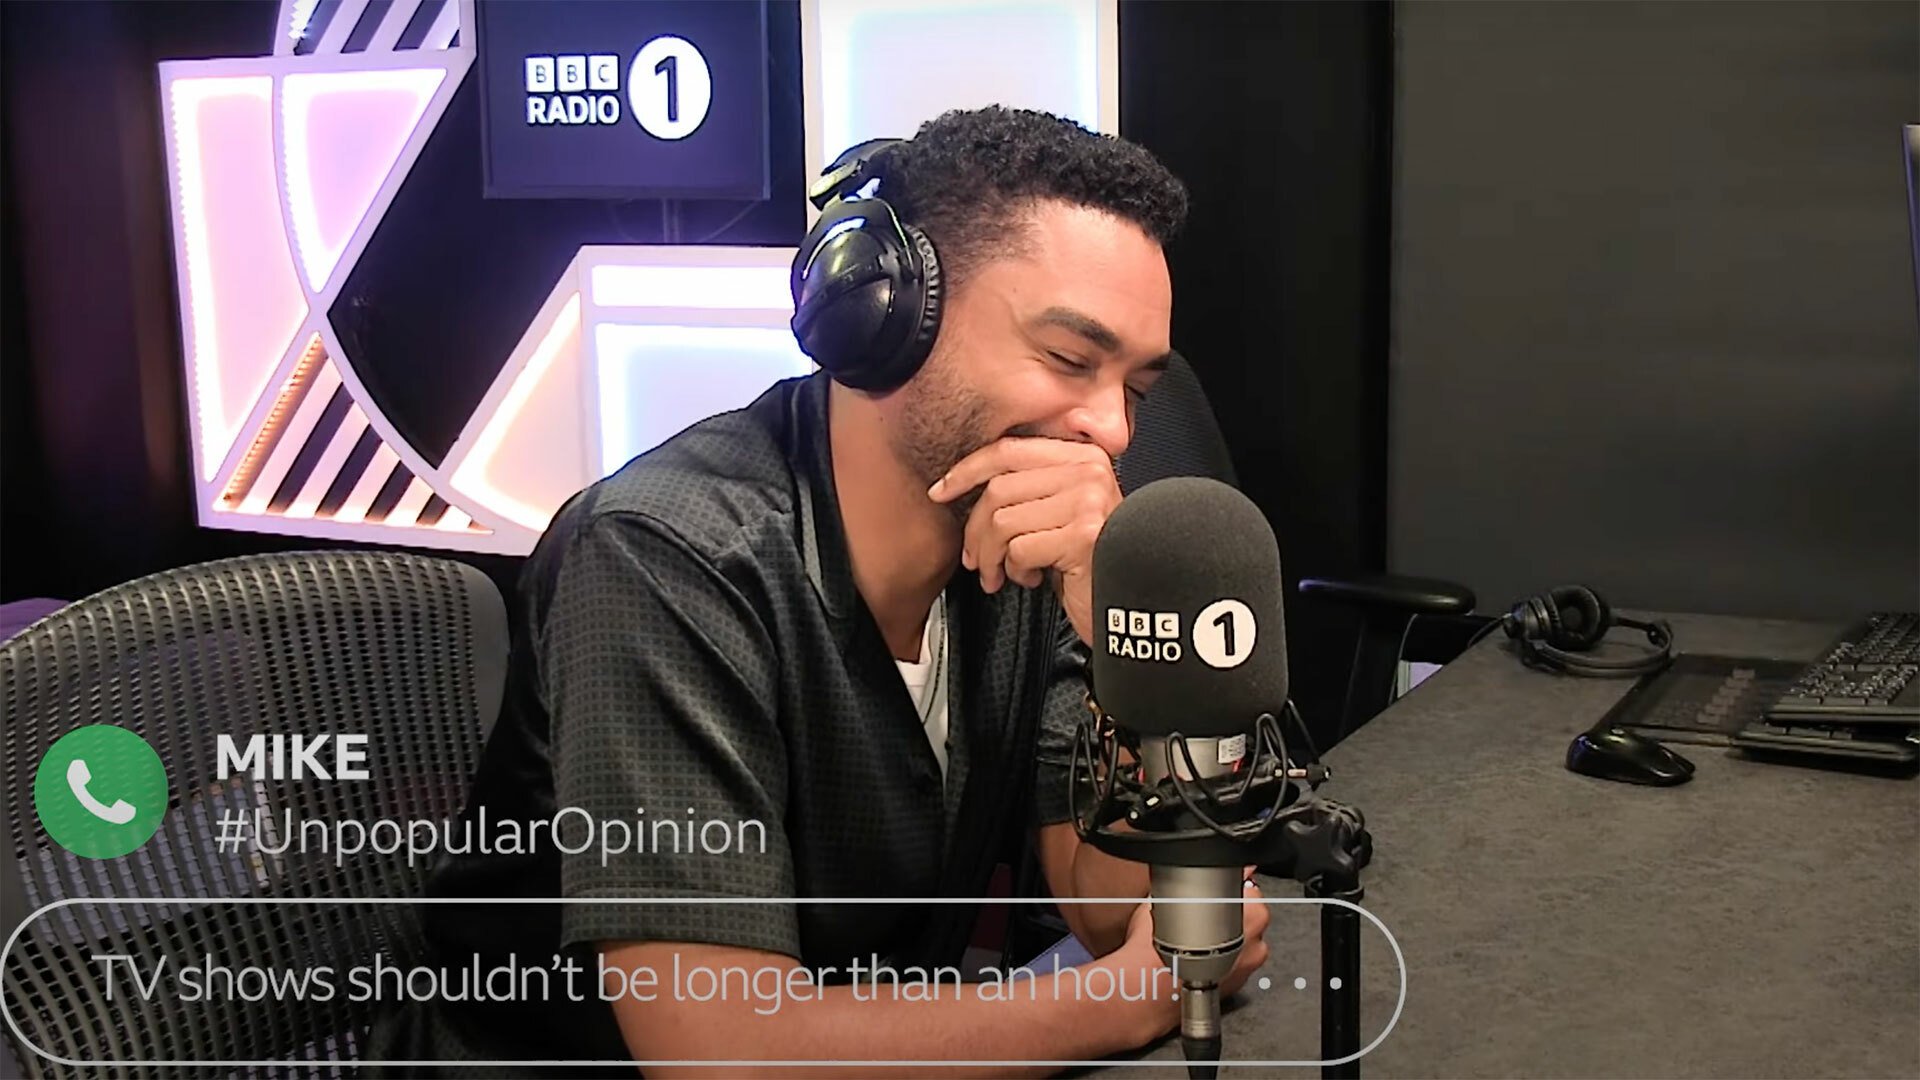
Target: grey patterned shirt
x=688, y=636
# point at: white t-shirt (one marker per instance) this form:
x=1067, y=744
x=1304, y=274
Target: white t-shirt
x=924, y=682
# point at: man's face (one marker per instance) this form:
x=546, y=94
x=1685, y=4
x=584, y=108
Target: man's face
x=1058, y=341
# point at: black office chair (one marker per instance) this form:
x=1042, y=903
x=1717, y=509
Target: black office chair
x=1389, y=606
x=410, y=651
x=1176, y=434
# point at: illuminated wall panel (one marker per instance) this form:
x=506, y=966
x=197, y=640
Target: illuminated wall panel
x=283, y=165
x=527, y=451
x=879, y=68
x=344, y=131
x=678, y=334
x=635, y=343
x=655, y=380
x=227, y=216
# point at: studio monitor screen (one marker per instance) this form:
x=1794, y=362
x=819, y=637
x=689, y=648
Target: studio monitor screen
x=589, y=99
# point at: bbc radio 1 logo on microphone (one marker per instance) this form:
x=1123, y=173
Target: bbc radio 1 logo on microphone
x=1144, y=635
x=1223, y=634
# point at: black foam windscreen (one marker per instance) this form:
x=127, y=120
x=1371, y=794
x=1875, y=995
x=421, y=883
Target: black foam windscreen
x=1190, y=635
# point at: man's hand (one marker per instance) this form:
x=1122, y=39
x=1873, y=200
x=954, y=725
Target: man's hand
x=1042, y=506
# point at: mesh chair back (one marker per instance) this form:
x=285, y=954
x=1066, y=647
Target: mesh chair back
x=407, y=650
x=1174, y=434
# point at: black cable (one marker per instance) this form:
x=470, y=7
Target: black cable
x=736, y=219
x=1083, y=749
x=1353, y=678
x=1241, y=831
x=1279, y=737
x=1080, y=739
x=620, y=227
x=1400, y=650
x=1179, y=786
x=1270, y=739
x=1548, y=658
x=1313, y=752
x=1353, y=670
x=1253, y=765
x=1491, y=626
x=1108, y=760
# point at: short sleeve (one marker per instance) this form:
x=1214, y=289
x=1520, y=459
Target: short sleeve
x=660, y=680
x=1062, y=708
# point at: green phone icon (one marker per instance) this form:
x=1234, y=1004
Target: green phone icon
x=100, y=791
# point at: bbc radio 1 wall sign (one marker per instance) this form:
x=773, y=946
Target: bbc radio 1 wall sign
x=587, y=98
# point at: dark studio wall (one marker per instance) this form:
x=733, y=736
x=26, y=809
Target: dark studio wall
x=1654, y=306
x=1278, y=118
x=93, y=464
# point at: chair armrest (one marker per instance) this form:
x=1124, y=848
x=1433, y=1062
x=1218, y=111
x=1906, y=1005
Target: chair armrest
x=1393, y=593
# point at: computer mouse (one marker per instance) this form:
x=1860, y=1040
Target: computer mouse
x=1613, y=753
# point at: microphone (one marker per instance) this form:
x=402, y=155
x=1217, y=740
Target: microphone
x=1189, y=676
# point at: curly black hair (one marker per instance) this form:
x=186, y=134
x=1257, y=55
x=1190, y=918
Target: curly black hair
x=964, y=175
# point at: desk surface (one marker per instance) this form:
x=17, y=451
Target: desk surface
x=1761, y=920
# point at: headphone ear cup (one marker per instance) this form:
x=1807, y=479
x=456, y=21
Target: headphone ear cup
x=1518, y=621
x=842, y=293
x=868, y=294
x=1553, y=631
x=924, y=305
x=911, y=321
x=1581, y=618
x=1604, y=618
x=1530, y=620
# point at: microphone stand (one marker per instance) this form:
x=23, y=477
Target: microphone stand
x=1339, y=959
x=1309, y=861
x=1327, y=860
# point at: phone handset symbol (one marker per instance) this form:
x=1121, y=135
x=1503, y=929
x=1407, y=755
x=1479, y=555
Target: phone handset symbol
x=78, y=777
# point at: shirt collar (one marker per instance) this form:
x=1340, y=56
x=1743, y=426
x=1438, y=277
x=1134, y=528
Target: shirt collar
x=823, y=537
x=822, y=533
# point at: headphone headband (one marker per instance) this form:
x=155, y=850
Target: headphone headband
x=850, y=171
x=1659, y=633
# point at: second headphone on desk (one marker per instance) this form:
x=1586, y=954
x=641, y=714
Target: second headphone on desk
x=1558, y=630
x=867, y=289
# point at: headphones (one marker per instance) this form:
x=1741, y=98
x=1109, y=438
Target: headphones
x=1557, y=629
x=866, y=286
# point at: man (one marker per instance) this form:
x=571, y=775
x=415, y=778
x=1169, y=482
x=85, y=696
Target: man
x=856, y=620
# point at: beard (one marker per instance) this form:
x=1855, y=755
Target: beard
x=943, y=419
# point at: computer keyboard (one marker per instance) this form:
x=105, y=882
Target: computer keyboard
x=1867, y=678
x=1878, y=743
x=1859, y=701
